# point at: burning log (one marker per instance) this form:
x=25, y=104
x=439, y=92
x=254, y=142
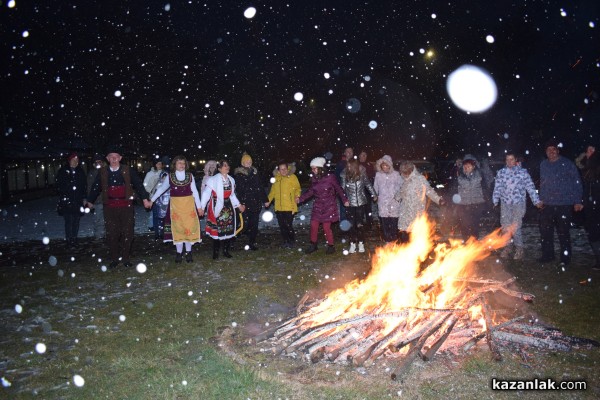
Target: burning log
x=431, y=350
x=488, y=331
x=542, y=343
x=301, y=303
x=429, y=308
x=414, y=351
x=469, y=344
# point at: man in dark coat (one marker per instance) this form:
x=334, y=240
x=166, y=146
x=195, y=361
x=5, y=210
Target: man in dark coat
x=117, y=184
x=71, y=185
x=561, y=193
x=251, y=193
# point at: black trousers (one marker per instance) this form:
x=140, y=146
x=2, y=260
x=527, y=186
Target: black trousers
x=251, y=218
x=469, y=219
x=389, y=228
x=368, y=212
x=592, y=220
x=356, y=216
x=559, y=217
x=72, y=225
x=119, y=222
x=285, y=219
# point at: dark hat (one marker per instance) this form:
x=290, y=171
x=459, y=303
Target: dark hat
x=165, y=160
x=71, y=156
x=114, y=149
x=551, y=143
x=98, y=156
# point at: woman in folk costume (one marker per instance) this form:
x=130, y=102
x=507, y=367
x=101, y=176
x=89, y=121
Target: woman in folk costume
x=221, y=218
x=210, y=169
x=181, y=225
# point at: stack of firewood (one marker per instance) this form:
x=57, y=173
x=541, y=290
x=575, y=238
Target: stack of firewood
x=413, y=332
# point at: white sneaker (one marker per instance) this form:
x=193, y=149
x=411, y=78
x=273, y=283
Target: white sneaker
x=352, y=248
x=361, y=247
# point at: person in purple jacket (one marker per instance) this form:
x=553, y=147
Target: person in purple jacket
x=560, y=193
x=323, y=187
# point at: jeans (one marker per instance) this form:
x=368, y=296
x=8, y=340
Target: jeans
x=511, y=215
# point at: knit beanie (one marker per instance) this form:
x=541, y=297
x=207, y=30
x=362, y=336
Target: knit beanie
x=245, y=158
x=71, y=156
x=318, y=162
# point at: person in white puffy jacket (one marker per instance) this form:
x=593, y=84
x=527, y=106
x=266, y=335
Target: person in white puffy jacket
x=387, y=183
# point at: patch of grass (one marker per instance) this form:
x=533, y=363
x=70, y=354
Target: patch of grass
x=478, y=364
x=165, y=346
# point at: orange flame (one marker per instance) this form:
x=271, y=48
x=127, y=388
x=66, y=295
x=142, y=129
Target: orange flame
x=418, y=275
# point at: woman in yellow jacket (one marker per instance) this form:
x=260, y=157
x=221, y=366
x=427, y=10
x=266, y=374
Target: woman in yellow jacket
x=284, y=191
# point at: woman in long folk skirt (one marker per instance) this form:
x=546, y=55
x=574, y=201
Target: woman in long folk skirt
x=181, y=224
x=221, y=218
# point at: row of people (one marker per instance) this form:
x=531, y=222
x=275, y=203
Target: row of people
x=400, y=197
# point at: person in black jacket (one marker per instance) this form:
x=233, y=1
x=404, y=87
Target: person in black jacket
x=250, y=192
x=589, y=163
x=71, y=184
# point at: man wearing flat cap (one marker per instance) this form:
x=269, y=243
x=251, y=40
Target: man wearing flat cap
x=561, y=193
x=117, y=183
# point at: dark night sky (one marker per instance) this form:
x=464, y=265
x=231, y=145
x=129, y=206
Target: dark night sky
x=201, y=79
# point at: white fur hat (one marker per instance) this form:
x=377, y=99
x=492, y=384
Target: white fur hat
x=318, y=162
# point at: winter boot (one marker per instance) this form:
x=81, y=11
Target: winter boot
x=518, y=253
x=178, y=257
x=216, y=246
x=352, y=247
x=226, y=248
x=330, y=249
x=188, y=257
x=312, y=248
x=361, y=247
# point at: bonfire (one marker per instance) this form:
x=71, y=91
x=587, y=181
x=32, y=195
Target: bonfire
x=418, y=298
